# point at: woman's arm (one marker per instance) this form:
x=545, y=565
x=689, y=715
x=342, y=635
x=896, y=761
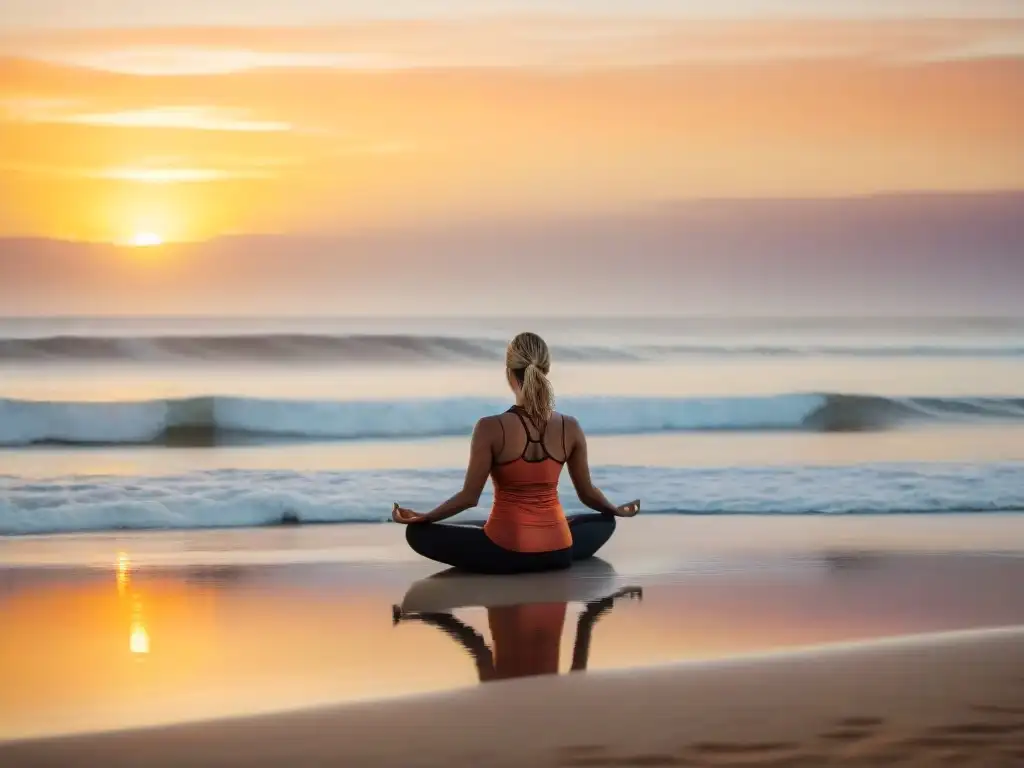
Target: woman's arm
x=481, y=456
x=579, y=471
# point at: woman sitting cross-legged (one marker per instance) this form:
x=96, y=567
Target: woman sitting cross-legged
x=523, y=451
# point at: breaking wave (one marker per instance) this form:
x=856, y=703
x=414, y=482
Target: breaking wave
x=203, y=421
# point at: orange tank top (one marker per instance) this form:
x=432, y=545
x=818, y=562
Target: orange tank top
x=527, y=515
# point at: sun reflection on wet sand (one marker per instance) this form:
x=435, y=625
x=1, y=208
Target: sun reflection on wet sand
x=138, y=640
x=138, y=635
x=123, y=575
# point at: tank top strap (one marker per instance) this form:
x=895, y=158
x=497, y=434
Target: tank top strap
x=539, y=440
x=526, y=427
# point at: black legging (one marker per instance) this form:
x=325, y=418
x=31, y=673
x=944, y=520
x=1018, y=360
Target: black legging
x=467, y=547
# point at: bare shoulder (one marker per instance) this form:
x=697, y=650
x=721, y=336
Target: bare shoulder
x=488, y=424
x=571, y=427
x=569, y=421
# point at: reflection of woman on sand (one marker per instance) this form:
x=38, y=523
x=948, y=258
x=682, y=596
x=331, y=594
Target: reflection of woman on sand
x=523, y=451
x=527, y=638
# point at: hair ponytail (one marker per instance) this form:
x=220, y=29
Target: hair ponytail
x=529, y=359
x=538, y=394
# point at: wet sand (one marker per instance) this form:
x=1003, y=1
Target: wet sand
x=739, y=637
x=927, y=701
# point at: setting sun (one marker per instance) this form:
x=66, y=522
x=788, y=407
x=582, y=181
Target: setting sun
x=146, y=239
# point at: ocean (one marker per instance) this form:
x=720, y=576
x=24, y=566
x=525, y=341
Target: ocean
x=187, y=423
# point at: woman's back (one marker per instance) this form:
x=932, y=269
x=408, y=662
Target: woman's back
x=527, y=515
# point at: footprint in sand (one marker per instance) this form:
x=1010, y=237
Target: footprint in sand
x=853, y=729
x=654, y=760
x=861, y=722
x=594, y=760
x=782, y=754
x=979, y=729
x=729, y=748
x=966, y=738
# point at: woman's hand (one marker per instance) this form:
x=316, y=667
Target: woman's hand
x=406, y=516
x=628, y=510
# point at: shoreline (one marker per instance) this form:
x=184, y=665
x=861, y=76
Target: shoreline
x=667, y=539
x=926, y=698
x=291, y=520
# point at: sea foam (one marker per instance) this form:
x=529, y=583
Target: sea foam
x=244, y=498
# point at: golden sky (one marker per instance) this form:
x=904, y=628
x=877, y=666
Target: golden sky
x=187, y=128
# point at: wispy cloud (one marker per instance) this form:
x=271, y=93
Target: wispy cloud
x=177, y=175
x=520, y=42
x=173, y=60
x=143, y=173
x=188, y=118
x=1008, y=46
x=193, y=118
x=268, y=13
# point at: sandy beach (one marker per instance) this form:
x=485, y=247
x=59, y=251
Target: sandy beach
x=735, y=641
x=950, y=699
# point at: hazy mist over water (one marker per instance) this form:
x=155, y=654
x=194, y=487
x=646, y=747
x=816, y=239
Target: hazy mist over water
x=934, y=255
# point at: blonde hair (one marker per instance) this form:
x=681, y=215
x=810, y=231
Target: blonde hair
x=529, y=360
